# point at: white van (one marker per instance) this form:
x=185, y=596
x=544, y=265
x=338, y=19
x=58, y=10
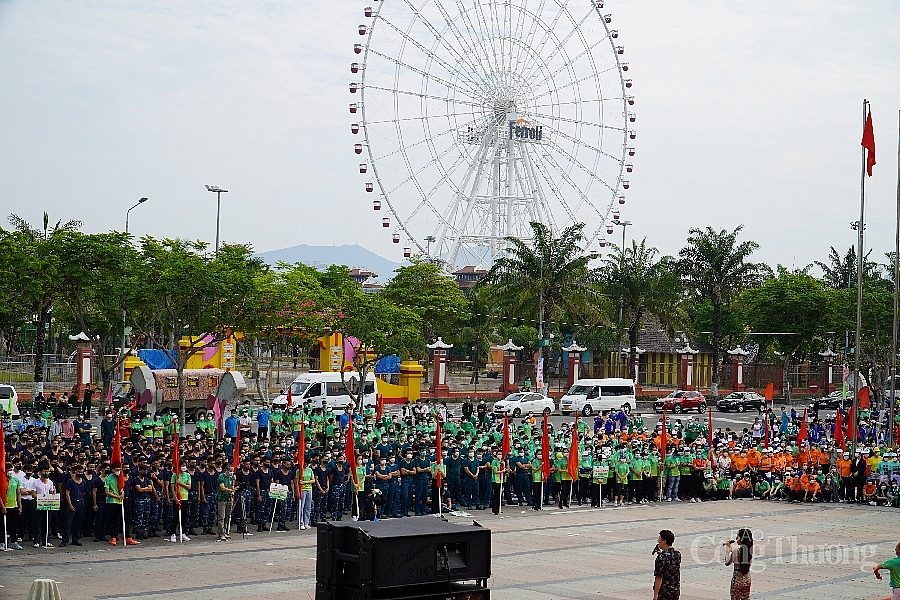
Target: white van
x=326, y=389
x=9, y=400
x=589, y=396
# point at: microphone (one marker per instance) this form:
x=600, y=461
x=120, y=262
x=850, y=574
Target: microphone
x=728, y=542
x=655, y=550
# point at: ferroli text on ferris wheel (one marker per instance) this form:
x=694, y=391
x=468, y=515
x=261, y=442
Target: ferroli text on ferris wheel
x=519, y=130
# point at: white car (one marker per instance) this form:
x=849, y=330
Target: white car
x=522, y=403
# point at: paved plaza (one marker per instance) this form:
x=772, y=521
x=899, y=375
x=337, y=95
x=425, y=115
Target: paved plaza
x=803, y=552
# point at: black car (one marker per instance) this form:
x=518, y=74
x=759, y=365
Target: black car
x=741, y=401
x=832, y=401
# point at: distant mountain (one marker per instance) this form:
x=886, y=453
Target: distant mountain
x=351, y=255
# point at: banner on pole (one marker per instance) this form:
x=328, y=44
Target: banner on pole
x=48, y=502
x=278, y=491
x=539, y=375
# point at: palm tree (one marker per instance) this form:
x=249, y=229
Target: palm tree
x=714, y=266
x=645, y=285
x=840, y=272
x=545, y=277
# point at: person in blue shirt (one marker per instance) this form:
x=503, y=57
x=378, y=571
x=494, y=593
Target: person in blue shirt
x=231, y=425
x=262, y=420
x=421, y=481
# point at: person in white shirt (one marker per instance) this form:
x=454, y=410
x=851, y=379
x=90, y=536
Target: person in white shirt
x=40, y=487
x=29, y=504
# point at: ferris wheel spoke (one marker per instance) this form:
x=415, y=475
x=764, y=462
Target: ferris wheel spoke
x=576, y=121
x=574, y=82
x=397, y=151
x=417, y=119
x=421, y=95
x=425, y=74
x=561, y=42
x=587, y=52
x=591, y=173
x=576, y=140
x=553, y=185
x=466, y=52
x=549, y=29
x=478, y=47
x=571, y=183
x=448, y=66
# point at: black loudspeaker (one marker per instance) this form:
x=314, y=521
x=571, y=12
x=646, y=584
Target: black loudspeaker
x=416, y=557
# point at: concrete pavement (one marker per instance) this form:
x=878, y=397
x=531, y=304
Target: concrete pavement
x=804, y=552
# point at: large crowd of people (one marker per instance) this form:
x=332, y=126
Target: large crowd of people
x=218, y=480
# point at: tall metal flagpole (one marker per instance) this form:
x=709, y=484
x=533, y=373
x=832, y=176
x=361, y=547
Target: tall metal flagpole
x=891, y=399
x=859, y=288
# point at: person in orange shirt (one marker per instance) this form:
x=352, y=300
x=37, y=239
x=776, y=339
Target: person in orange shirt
x=742, y=487
x=794, y=486
x=826, y=453
x=753, y=458
x=843, y=465
x=739, y=462
x=812, y=490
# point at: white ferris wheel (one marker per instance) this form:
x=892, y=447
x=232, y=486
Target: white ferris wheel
x=479, y=116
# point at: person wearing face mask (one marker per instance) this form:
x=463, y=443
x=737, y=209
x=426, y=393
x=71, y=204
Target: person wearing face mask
x=469, y=466
x=11, y=507
x=181, y=483
x=452, y=461
x=392, y=503
x=382, y=483
x=421, y=481
x=407, y=473
x=114, y=503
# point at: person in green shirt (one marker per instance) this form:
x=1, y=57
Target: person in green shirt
x=181, y=483
x=114, y=498
x=225, y=498
x=11, y=507
x=498, y=477
x=305, y=482
x=537, y=480
x=673, y=473
x=892, y=565
x=622, y=472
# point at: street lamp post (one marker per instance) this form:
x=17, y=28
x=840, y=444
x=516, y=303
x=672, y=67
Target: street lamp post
x=139, y=202
x=122, y=364
x=218, y=192
x=429, y=239
x=623, y=225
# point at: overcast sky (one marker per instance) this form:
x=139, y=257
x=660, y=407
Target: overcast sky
x=748, y=113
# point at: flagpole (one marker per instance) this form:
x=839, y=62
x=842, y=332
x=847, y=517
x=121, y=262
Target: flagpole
x=859, y=283
x=891, y=399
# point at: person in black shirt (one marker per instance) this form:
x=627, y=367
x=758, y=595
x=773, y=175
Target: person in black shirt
x=245, y=480
x=337, y=483
x=320, y=490
x=263, y=502
x=73, y=506
x=284, y=476
x=209, y=482
x=143, y=492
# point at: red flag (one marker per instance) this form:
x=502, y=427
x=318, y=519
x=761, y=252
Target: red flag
x=4, y=483
x=117, y=456
x=801, y=437
x=839, y=430
x=851, y=422
x=289, y=401
x=545, y=449
x=709, y=410
x=301, y=450
x=437, y=443
x=350, y=449
x=766, y=428
x=864, y=397
x=504, y=449
x=868, y=142
x=109, y=397
x=379, y=407
x=176, y=467
x=572, y=467
x=769, y=392
x=663, y=438
x=235, y=454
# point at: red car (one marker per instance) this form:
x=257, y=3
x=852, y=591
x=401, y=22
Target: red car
x=680, y=401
